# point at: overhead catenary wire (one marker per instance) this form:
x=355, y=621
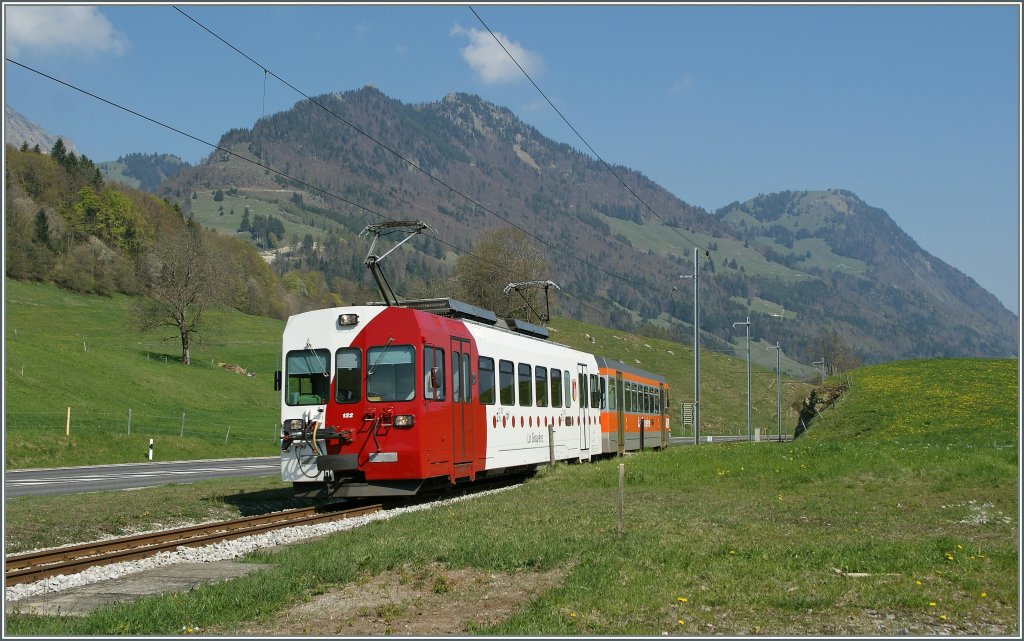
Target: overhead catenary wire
x=410, y=162
x=598, y=156
x=580, y=136
x=241, y=157
x=261, y=163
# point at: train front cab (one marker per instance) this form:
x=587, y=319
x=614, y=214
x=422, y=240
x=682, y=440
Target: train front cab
x=385, y=393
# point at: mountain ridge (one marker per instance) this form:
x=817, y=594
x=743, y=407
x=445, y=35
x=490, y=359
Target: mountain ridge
x=467, y=167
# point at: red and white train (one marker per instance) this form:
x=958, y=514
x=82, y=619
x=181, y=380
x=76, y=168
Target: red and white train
x=390, y=400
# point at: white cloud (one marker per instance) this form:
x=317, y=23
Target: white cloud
x=60, y=31
x=491, y=63
x=680, y=86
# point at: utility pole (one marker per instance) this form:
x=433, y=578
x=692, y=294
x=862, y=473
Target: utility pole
x=822, y=372
x=746, y=323
x=696, y=348
x=778, y=383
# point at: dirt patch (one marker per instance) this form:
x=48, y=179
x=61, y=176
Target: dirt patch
x=237, y=369
x=430, y=601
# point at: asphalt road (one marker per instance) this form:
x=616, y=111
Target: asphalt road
x=66, y=480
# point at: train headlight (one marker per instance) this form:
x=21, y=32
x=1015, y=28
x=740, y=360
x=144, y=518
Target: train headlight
x=348, y=320
x=293, y=424
x=404, y=420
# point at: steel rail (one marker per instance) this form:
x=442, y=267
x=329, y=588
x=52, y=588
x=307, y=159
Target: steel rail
x=32, y=566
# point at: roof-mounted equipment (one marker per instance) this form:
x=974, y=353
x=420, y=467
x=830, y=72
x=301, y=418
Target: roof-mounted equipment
x=372, y=261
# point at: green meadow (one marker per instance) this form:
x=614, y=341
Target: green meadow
x=67, y=350
x=896, y=514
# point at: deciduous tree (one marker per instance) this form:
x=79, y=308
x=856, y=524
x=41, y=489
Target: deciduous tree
x=181, y=280
x=497, y=259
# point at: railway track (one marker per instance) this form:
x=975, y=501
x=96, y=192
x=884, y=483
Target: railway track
x=33, y=566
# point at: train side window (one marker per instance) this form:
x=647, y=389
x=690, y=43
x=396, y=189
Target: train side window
x=584, y=395
x=541, y=380
x=611, y=394
x=604, y=393
x=456, y=376
x=556, y=388
x=567, y=394
x=525, y=385
x=348, y=375
x=467, y=380
x=632, y=397
x=486, y=380
x=433, y=373
x=308, y=380
x=507, y=382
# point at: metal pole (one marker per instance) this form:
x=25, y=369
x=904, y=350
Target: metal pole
x=778, y=383
x=750, y=433
x=696, y=349
x=822, y=371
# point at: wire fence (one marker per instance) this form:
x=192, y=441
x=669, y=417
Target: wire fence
x=193, y=424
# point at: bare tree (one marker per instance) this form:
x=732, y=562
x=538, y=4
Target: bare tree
x=838, y=355
x=497, y=259
x=181, y=280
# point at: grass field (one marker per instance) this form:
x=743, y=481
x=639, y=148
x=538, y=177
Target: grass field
x=70, y=350
x=225, y=216
x=897, y=514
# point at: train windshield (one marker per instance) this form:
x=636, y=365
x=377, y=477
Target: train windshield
x=392, y=373
x=348, y=377
x=308, y=380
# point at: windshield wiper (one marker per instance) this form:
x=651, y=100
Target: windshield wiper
x=381, y=357
x=323, y=365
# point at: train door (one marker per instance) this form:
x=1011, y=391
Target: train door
x=663, y=412
x=462, y=427
x=584, y=410
x=620, y=414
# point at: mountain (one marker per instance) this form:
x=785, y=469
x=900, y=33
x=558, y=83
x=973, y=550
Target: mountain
x=19, y=130
x=800, y=264
x=884, y=291
x=142, y=171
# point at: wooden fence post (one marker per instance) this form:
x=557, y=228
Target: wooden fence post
x=622, y=474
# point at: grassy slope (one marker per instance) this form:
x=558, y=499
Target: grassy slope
x=723, y=379
x=69, y=350
x=895, y=515
x=208, y=212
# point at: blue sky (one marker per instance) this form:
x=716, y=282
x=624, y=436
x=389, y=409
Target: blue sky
x=915, y=108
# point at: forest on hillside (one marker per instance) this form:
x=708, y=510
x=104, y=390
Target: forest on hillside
x=65, y=225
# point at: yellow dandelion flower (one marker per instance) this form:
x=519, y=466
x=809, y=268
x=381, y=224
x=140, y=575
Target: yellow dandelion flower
x=942, y=616
x=931, y=604
x=984, y=595
x=917, y=582
x=732, y=551
x=682, y=599
x=572, y=614
x=680, y=621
